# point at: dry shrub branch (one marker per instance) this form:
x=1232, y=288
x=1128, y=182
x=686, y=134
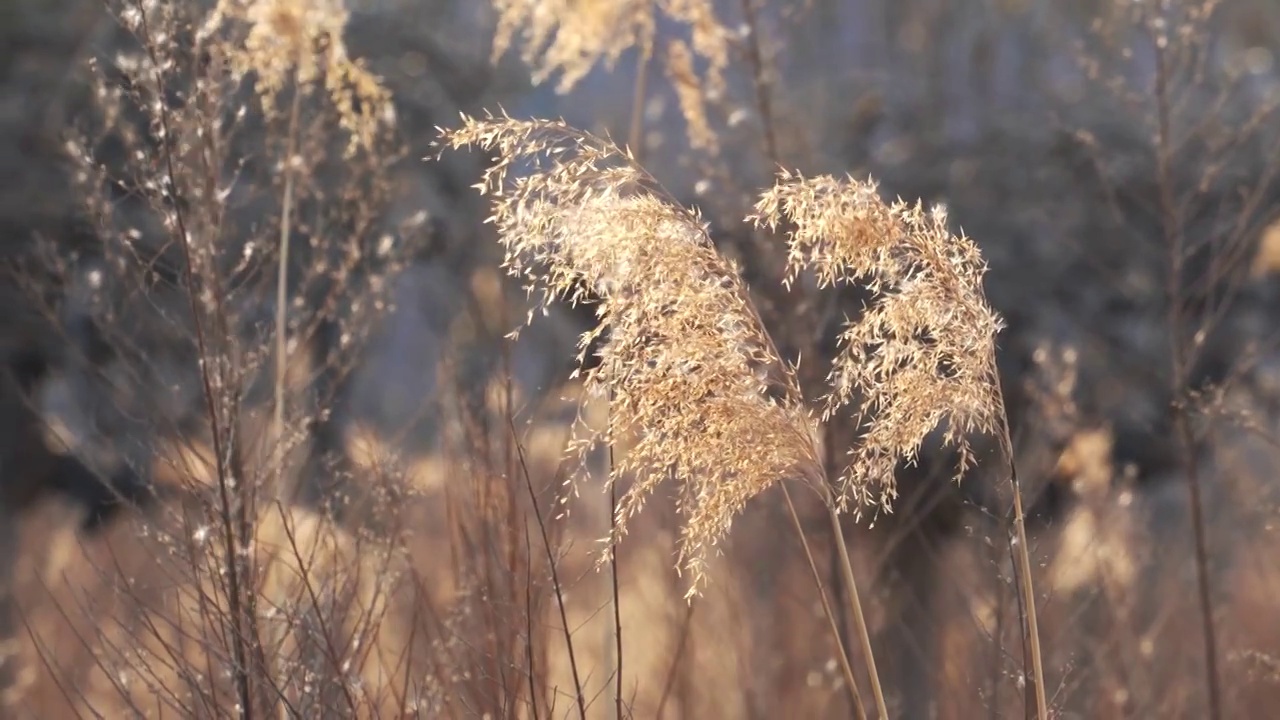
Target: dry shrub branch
x=195, y=229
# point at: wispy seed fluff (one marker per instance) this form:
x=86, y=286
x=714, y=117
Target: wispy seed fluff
x=302, y=41
x=570, y=37
x=922, y=354
x=699, y=394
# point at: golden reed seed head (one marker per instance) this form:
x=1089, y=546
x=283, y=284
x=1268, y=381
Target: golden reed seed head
x=302, y=41
x=698, y=393
x=922, y=354
x=570, y=37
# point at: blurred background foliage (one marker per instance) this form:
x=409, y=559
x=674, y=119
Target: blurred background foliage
x=1008, y=111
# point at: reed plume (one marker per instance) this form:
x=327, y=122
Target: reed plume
x=698, y=392
x=284, y=41
x=921, y=356
x=571, y=37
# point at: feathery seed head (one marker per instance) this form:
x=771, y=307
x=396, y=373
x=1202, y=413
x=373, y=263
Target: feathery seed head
x=922, y=355
x=571, y=36
x=698, y=392
x=302, y=40
x=691, y=96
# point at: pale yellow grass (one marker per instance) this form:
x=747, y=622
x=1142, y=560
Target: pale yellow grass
x=121, y=623
x=758, y=644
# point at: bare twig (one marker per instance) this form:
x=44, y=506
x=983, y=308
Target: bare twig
x=617, y=604
x=635, y=136
x=1022, y=554
x=842, y=654
x=528, y=620
x=282, y=295
x=239, y=635
x=555, y=573
x=669, y=684
x=1189, y=455
x=760, y=80
x=859, y=620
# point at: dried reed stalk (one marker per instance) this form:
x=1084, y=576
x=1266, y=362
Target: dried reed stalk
x=921, y=356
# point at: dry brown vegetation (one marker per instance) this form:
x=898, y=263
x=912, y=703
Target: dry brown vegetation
x=820, y=451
